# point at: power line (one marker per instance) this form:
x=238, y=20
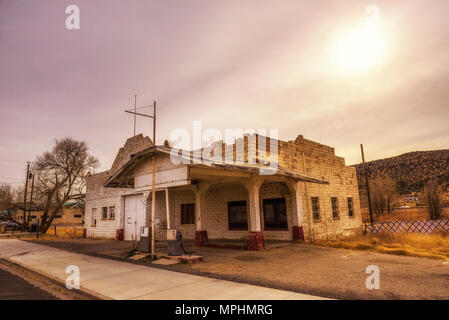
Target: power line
x=5, y=160
x=132, y=108
x=10, y=165
x=145, y=107
x=3, y=177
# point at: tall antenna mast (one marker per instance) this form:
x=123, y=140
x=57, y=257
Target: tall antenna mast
x=153, y=170
x=135, y=113
x=154, y=122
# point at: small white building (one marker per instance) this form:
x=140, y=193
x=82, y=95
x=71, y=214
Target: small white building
x=312, y=194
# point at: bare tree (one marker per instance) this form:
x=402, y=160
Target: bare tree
x=8, y=198
x=383, y=194
x=391, y=193
x=60, y=175
x=11, y=203
x=433, y=196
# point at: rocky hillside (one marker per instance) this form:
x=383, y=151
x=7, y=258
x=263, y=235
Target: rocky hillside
x=410, y=169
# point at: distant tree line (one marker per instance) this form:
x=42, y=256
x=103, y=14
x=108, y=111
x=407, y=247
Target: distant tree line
x=384, y=195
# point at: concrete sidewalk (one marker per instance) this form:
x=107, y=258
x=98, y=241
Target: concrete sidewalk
x=126, y=281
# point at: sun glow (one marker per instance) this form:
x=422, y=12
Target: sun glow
x=362, y=48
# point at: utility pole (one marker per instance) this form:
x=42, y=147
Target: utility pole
x=367, y=185
x=153, y=184
x=25, y=193
x=31, y=199
x=153, y=173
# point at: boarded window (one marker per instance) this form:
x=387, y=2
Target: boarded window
x=275, y=214
x=316, y=208
x=104, y=213
x=188, y=213
x=350, y=207
x=93, y=217
x=112, y=213
x=237, y=215
x=334, y=201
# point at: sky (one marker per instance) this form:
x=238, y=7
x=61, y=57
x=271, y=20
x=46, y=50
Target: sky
x=302, y=67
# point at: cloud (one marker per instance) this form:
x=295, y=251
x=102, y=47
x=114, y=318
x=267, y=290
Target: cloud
x=231, y=64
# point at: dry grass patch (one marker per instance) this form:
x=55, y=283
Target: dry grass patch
x=413, y=213
x=62, y=233
x=434, y=246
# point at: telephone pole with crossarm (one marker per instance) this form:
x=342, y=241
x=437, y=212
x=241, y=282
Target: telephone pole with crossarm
x=153, y=170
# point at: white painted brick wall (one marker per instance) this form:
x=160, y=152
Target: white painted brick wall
x=320, y=162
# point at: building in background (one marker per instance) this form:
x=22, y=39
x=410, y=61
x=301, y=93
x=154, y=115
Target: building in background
x=71, y=214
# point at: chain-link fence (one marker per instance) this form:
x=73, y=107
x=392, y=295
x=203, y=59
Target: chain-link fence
x=408, y=226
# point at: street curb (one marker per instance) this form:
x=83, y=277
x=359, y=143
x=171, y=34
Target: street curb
x=84, y=291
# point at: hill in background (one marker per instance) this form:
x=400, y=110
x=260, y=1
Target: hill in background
x=409, y=170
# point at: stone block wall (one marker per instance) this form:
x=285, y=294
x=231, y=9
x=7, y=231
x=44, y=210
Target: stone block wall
x=133, y=145
x=300, y=155
x=315, y=160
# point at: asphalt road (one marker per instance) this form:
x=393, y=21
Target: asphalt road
x=15, y=288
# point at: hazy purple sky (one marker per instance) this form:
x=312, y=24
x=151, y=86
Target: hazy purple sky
x=229, y=63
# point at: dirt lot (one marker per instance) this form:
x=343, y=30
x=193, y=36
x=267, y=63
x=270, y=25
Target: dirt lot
x=304, y=268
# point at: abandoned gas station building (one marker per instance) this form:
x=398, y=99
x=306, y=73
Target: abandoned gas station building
x=311, y=194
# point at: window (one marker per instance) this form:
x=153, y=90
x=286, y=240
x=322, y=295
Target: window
x=275, y=214
x=58, y=216
x=112, y=213
x=188, y=213
x=316, y=208
x=334, y=201
x=350, y=207
x=104, y=214
x=77, y=216
x=32, y=217
x=93, y=217
x=237, y=215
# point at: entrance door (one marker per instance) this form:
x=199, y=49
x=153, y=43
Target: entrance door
x=134, y=217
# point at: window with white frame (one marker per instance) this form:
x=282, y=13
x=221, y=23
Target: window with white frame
x=93, y=217
x=350, y=207
x=316, y=208
x=334, y=201
x=112, y=212
x=104, y=213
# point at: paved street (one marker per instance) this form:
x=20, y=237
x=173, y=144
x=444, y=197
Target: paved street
x=121, y=280
x=15, y=288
